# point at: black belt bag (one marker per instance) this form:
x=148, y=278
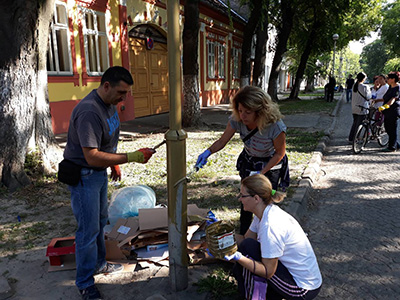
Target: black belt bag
x=69, y=173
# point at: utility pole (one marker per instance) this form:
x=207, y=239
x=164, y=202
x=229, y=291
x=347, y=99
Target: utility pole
x=176, y=158
x=335, y=37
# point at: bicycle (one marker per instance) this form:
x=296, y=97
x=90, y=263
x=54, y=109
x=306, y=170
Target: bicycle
x=370, y=129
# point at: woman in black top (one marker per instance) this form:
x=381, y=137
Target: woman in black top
x=391, y=110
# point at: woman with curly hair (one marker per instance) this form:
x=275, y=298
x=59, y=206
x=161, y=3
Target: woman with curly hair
x=275, y=252
x=258, y=120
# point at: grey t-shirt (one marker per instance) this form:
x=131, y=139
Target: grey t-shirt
x=93, y=124
x=260, y=144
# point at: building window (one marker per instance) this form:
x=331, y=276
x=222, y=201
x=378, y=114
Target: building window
x=221, y=60
x=59, y=60
x=236, y=61
x=96, y=41
x=211, y=59
x=215, y=56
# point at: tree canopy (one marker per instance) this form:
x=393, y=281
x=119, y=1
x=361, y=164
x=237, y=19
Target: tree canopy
x=374, y=57
x=390, y=30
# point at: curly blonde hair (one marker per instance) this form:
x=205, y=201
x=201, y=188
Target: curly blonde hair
x=256, y=99
x=260, y=185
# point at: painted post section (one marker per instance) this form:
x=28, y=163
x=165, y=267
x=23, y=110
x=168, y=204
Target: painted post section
x=176, y=159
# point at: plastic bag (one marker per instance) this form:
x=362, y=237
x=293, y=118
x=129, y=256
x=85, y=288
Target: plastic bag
x=127, y=201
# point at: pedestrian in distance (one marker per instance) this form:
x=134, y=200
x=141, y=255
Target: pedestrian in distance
x=331, y=88
x=258, y=120
x=391, y=110
x=275, y=249
x=91, y=148
x=349, y=87
x=360, y=96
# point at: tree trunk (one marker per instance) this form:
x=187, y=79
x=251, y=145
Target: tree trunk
x=310, y=85
x=294, y=94
x=51, y=153
x=191, y=113
x=248, y=33
x=261, y=52
x=283, y=36
x=23, y=103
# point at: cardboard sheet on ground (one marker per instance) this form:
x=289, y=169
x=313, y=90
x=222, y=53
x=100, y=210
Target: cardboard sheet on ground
x=155, y=256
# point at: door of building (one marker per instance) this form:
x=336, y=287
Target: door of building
x=149, y=68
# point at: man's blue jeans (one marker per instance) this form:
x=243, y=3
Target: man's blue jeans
x=89, y=205
x=348, y=94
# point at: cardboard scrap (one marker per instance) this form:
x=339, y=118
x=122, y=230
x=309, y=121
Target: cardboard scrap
x=113, y=252
x=124, y=228
x=155, y=256
x=152, y=218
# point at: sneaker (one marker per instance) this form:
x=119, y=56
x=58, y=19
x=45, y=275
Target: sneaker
x=388, y=150
x=90, y=293
x=110, y=268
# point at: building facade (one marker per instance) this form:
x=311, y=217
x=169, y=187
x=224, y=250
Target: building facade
x=88, y=36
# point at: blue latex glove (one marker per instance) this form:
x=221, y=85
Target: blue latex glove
x=209, y=253
x=254, y=173
x=202, y=159
x=211, y=218
x=235, y=256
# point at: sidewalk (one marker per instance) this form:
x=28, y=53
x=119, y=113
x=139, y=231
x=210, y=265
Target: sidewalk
x=353, y=223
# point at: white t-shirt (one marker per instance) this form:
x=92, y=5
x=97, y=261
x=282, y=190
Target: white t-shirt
x=379, y=94
x=282, y=237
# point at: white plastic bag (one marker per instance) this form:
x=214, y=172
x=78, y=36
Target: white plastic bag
x=127, y=201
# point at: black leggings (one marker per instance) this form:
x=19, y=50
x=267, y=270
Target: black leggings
x=390, y=121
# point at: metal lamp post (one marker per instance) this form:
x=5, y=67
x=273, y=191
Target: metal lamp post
x=335, y=37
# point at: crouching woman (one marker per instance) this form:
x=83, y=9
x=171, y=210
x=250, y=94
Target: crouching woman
x=275, y=247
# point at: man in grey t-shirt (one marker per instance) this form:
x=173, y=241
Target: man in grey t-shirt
x=91, y=147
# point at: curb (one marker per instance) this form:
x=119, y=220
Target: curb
x=299, y=201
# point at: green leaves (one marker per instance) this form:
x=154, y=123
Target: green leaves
x=219, y=284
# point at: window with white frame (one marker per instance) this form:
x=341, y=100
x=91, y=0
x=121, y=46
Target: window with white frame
x=59, y=60
x=96, y=41
x=221, y=60
x=211, y=59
